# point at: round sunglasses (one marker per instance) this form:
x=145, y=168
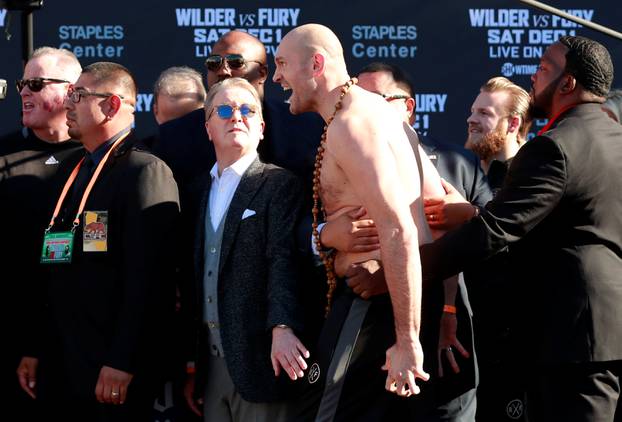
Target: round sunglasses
x=37, y=84
x=234, y=61
x=225, y=111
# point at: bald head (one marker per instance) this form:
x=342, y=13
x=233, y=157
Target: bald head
x=243, y=42
x=313, y=38
x=310, y=63
x=255, y=69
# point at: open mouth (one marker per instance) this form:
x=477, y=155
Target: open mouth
x=27, y=106
x=288, y=88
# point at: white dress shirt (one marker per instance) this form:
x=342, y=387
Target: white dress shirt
x=224, y=186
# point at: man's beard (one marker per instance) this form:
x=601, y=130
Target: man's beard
x=489, y=145
x=540, y=106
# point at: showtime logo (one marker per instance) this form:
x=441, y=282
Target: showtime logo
x=509, y=69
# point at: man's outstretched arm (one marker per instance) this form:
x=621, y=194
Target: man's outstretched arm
x=369, y=165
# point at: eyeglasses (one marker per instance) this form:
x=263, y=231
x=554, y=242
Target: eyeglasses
x=75, y=95
x=234, y=61
x=225, y=111
x=37, y=84
x=391, y=97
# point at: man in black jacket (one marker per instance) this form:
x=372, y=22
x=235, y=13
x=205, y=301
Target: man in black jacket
x=29, y=159
x=246, y=290
x=557, y=207
x=108, y=297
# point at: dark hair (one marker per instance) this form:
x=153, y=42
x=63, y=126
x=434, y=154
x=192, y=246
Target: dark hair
x=399, y=76
x=590, y=64
x=119, y=74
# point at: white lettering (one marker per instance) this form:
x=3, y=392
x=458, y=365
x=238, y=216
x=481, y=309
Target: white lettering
x=381, y=32
x=205, y=17
x=278, y=17
x=94, y=50
x=586, y=14
x=2, y=16
x=392, y=50
x=548, y=36
x=430, y=102
x=143, y=102
x=503, y=18
x=86, y=32
x=505, y=36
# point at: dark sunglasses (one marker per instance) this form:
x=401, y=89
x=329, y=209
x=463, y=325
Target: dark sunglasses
x=75, y=95
x=234, y=61
x=37, y=84
x=391, y=97
x=225, y=111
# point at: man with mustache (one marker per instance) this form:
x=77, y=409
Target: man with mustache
x=559, y=209
x=498, y=126
x=108, y=295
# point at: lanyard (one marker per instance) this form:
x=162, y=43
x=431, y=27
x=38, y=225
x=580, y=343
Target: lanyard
x=87, y=191
x=552, y=120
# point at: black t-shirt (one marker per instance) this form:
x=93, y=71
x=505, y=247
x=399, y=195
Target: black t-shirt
x=27, y=199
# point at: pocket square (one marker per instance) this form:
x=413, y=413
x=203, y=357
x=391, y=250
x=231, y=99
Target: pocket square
x=248, y=213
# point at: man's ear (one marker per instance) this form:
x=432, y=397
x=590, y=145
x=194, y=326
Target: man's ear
x=319, y=64
x=411, y=105
x=207, y=130
x=263, y=73
x=568, y=84
x=513, y=124
x=114, y=104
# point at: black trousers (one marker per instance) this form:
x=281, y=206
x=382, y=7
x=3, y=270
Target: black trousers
x=578, y=392
x=362, y=396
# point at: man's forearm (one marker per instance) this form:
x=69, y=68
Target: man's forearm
x=402, y=268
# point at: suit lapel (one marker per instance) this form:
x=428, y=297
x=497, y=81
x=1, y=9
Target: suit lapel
x=248, y=187
x=199, y=239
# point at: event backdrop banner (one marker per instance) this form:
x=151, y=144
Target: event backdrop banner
x=449, y=49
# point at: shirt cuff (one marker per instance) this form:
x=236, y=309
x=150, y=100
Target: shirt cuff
x=313, y=245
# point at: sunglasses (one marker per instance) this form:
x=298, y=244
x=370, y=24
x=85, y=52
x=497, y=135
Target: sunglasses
x=37, y=84
x=75, y=95
x=234, y=61
x=391, y=97
x=225, y=111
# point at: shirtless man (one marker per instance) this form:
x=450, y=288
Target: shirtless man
x=367, y=161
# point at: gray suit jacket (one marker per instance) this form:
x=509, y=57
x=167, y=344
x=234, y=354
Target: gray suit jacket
x=257, y=281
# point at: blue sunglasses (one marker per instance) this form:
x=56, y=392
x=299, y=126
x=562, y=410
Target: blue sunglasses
x=225, y=111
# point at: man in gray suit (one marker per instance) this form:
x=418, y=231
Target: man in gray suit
x=246, y=305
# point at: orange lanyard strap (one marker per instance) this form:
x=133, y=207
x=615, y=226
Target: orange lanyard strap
x=554, y=119
x=87, y=191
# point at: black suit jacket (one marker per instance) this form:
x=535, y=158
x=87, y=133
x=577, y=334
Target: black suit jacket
x=258, y=282
x=560, y=205
x=113, y=308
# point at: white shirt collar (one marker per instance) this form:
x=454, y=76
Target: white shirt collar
x=239, y=167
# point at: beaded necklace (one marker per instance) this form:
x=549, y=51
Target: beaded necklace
x=327, y=258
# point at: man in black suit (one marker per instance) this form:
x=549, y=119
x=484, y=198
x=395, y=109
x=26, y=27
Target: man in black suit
x=558, y=208
x=246, y=301
x=96, y=353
